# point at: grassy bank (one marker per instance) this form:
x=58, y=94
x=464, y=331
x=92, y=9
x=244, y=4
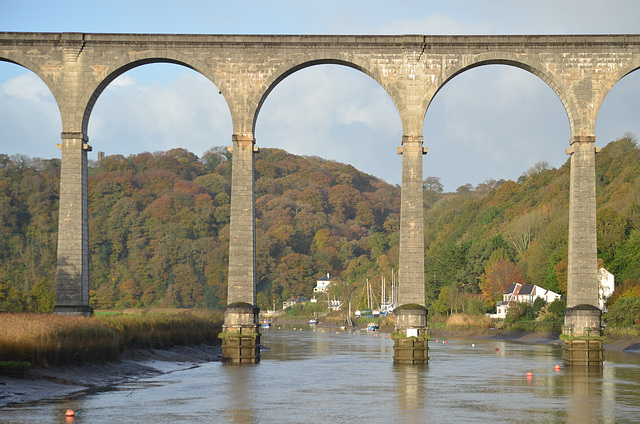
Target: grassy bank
x=481, y=325
x=49, y=340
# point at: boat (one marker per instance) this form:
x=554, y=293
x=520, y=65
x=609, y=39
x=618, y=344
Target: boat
x=372, y=326
x=266, y=324
x=313, y=321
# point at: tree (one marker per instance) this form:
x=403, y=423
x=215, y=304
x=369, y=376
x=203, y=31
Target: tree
x=522, y=232
x=613, y=230
x=42, y=297
x=464, y=188
x=499, y=273
x=433, y=184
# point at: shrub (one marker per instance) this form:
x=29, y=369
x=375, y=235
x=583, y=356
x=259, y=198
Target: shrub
x=538, y=304
x=629, y=288
x=557, y=307
x=624, y=313
x=520, y=311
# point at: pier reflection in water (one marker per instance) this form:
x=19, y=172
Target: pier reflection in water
x=315, y=377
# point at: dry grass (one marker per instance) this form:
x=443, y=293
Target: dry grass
x=468, y=322
x=55, y=339
x=48, y=340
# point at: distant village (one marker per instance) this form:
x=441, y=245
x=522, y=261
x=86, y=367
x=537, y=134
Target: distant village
x=516, y=293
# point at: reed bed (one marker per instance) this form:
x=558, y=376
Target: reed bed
x=164, y=329
x=49, y=340
x=468, y=322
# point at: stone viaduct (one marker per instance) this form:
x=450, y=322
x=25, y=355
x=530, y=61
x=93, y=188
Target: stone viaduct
x=77, y=67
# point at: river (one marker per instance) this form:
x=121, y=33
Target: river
x=308, y=376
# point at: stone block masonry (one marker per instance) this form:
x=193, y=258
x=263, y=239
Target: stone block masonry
x=77, y=67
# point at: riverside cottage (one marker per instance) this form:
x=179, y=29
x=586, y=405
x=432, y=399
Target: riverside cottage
x=522, y=293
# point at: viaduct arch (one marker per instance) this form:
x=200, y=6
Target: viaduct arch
x=411, y=68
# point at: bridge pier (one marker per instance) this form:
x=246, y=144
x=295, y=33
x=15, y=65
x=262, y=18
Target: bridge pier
x=410, y=336
x=72, y=274
x=240, y=333
x=582, y=332
x=582, y=337
x=410, y=339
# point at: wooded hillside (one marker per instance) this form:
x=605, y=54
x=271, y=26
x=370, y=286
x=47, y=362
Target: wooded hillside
x=158, y=225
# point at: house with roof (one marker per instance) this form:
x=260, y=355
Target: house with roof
x=522, y=293
x=294, y=300
x=323, y=283
x=529, y=292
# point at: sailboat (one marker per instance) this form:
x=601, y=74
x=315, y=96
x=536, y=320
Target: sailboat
x=388, y=305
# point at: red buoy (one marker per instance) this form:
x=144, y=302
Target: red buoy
x=529, y=375
x=70, y=413
x=557, y=367
x=497, y=349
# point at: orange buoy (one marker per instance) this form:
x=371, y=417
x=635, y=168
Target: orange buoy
x=557, y=367
x=70, y=413
x=529, y=375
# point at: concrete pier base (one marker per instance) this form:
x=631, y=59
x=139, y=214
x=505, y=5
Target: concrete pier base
x=582, y=337
x=240, y=335
x=411, y=341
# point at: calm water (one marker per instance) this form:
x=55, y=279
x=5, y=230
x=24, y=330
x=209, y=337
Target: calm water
x=315, y=377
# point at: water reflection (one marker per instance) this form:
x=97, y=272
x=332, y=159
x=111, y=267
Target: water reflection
x=240, y=406
x=411, y=394
x=316, y=377
x=584, y=390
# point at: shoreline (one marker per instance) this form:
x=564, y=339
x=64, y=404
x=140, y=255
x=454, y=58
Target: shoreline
x=40, y=384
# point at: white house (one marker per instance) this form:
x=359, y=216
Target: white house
x=529, y=292
x=323, y=283
x=294, y=301
x=522, y=293
x=607, y=285
x=335, y=305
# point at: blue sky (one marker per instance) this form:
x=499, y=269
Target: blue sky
x=491, y=122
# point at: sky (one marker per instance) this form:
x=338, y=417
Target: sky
x=492, y=122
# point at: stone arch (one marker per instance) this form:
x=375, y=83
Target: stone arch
x=91, y=94
x=510, y=59
x=307, y=60
x=602, y=94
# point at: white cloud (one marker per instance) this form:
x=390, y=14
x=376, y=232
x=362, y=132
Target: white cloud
x=185, y=112
x=29, y=118
x=123, y=81
x=28, y=87
x=336, y=113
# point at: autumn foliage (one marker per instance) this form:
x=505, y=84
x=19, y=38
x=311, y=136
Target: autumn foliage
x=159, y=229
x=499, y=273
